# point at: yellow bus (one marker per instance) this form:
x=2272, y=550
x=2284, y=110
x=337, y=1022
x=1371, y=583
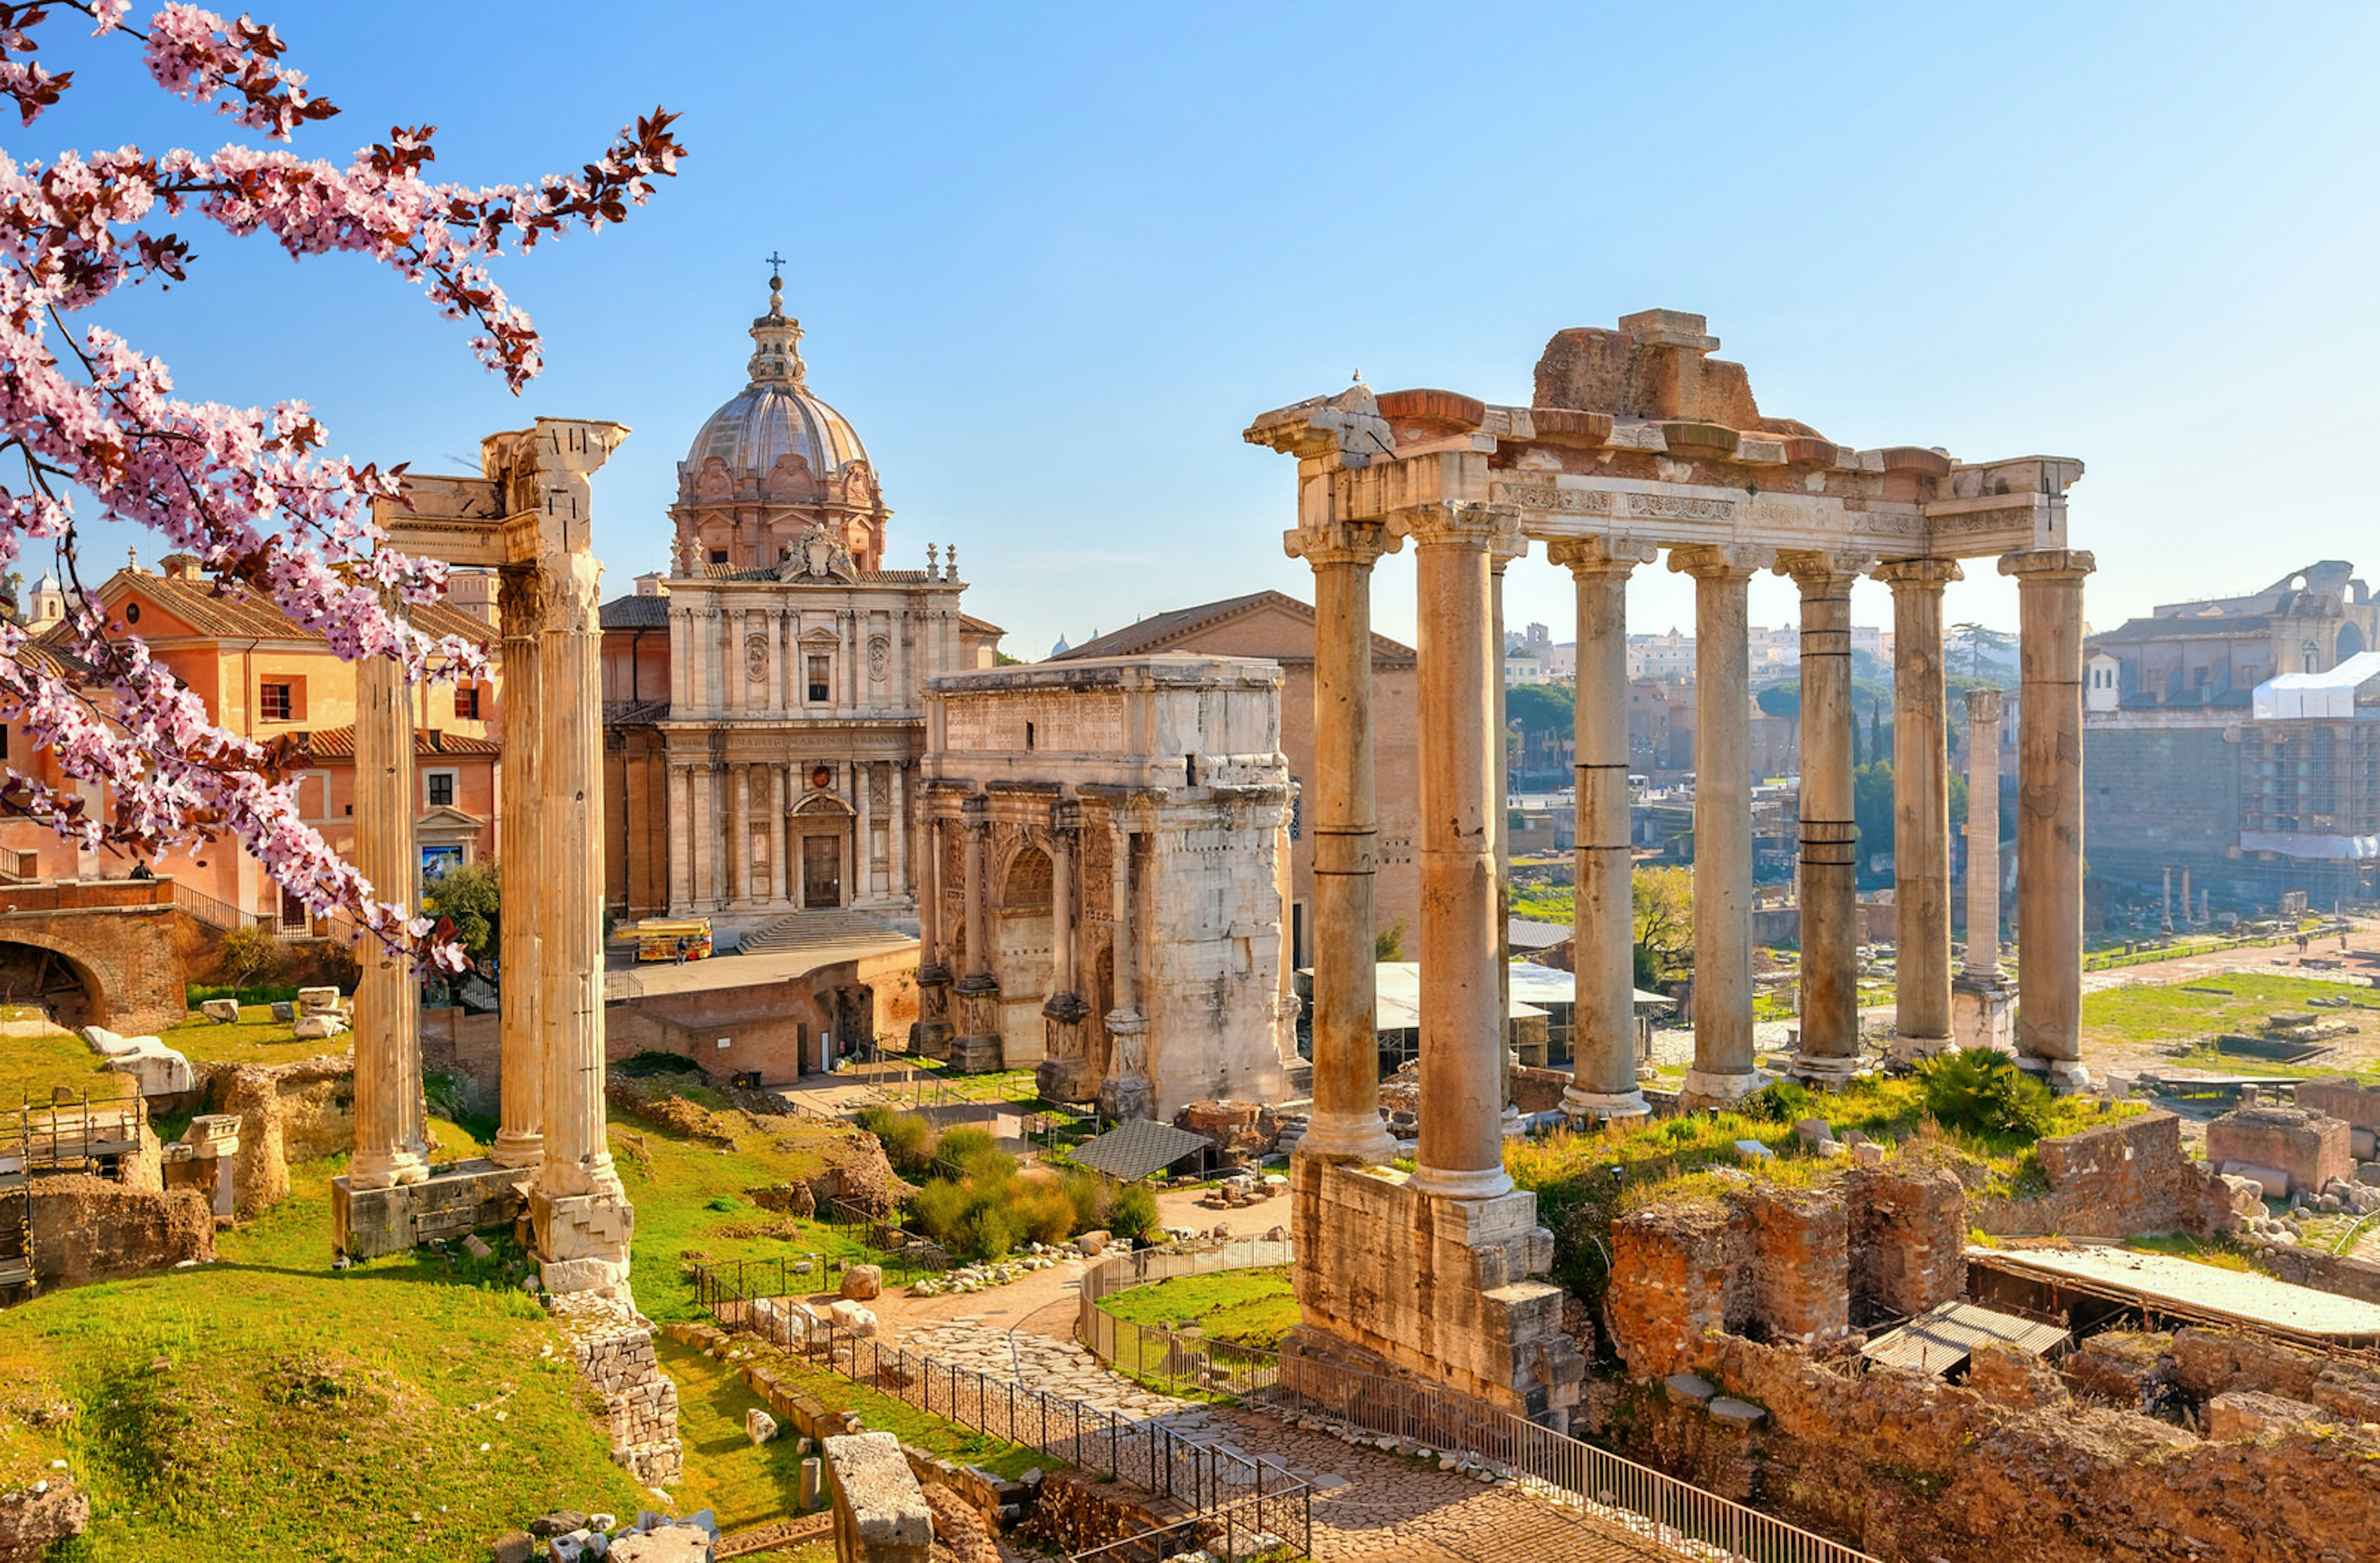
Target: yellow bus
x=669, y=939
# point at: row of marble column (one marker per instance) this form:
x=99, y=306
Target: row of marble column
x=552, y=867
x=1459, y=549
x=710, y=803
x=709, y=672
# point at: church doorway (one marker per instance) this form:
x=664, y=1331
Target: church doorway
x=822, y=873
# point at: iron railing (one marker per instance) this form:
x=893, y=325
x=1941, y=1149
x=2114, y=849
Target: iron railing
x=1250, y=1495
x=1553, y=1464
x=213, y=911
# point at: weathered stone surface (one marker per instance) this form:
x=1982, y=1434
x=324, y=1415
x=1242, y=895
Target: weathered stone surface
x=880, y=1512
x=2312, y=1147
x=2343, y=1098
x=863, y=1283
x=317, y=1001
x=2123, y=1367
x=1670, y=1271
x=1801, y=1263
x=88, y=1229
x=2122, y=1179
x=1731, y=1413
x=31, y=1523
x=758, y=1425
x=224, y=1011
x=1689, y=1389
x=666, y=1544
x=557, y=1522
x=319, y=1027
x=2251, y=1413
x=1908, y=1239
x=512, y=1546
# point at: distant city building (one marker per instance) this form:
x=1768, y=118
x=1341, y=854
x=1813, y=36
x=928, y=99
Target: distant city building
x=2237, y=740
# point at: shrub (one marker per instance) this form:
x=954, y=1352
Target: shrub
x=966, y=1144
x=1779, y=1101
x=1088, y=1192
x=1133, y=1213
x=906, y=1138
x=1983, y=1092
x=1044, y=1212
x=990, y=1231
x=940, y=1207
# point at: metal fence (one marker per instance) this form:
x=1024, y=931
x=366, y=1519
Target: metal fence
x=1252, y=1496
x=1189, y=1365
x=1554, y=1464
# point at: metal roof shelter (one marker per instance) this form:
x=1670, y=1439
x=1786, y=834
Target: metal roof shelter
x=2172, y=1288
x=1130, y=1152
x=1940, y=1340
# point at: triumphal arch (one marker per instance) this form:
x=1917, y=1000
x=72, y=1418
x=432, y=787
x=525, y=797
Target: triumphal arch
x=1637, y=443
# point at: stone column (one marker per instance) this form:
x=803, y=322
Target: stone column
x=775, y=704
x=391, y=1137
x=1829, y=1050
x=863, y=834
x=900, y=858
x=933, y=951
x=1503, y=550
x=2049, y=812
x=1064, y=1073
x=977, y=1045
x=699, y=861
x=1463, y=1070
x=681, y=628
x=582, y=1217
x=739, y=832
x=779, y=882
x=1127, y=1092
x=1345, y=1123
x=1725, y=1065
x=2165, y=921
x=1921, y=808
x=1603, y=1020
x=1981, y=999
x=2189, y=918
x=520, y=1140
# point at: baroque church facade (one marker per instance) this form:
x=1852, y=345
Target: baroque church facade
x=765, y=696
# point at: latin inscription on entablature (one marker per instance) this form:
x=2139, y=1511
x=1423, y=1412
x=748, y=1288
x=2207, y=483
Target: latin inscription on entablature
x=1617, y=504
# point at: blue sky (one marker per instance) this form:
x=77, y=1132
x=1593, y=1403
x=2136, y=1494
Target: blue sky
x=1051, y=261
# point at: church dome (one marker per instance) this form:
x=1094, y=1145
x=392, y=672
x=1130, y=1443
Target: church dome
x=775, y=415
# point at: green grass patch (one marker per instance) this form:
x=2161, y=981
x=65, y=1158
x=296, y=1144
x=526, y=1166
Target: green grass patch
x=2169, y=1013
x=744, y=1483
x=1245, y=1307
x=2221, y=1253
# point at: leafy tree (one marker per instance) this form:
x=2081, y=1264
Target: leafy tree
x=467, y=897
x=1388, y=944
x=1541, y=708
x=1661, y=911
x=1986, y=653
x=1780, y=700
x=249, y=492
x=250, y=955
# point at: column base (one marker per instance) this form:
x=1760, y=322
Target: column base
x=1909, y=1049
x=931, y=1039
x=1127, y=1099
x=581, y=1241
x=1826, y=1070
x=516, y=1149
x=1513, y=1125
x=1360, y=1138
x=2067, y=1077
x=1064, y=1073
x=1983, y=1012
x=388, y=1169
x=1483, y=1183
x=468, y=1197
x=1710, y=1089
x=1604, y=1106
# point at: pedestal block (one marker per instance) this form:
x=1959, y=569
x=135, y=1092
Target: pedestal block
x=1442, y=1289
x=1066, y=1073
x=1983, y=1012
x=933, y=1035
x=465, y=1197
x=976, y=1049
x=582, y=1241
x=1127, y=1092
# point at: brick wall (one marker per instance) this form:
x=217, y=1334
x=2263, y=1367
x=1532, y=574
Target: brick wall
x=88, y=1229
x=2312, y=1147
x=1801, y=1263
x=2355, y=1105
x=1909, y=1240
x=611, y=1346
x=2123, y=1178
x=1670, y=1270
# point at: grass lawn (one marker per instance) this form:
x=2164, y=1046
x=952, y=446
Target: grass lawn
x=1245, y=1307
x=30, y=1066
x=2143, y=1014
x=743, y=1484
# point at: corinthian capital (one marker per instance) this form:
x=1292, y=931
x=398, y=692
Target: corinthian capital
x=1920, y=574
x=1820, y=571
x=1738, y=561
x=1446, y=524
x=2049, y=563
x=1600, y=556
x=1339, y=542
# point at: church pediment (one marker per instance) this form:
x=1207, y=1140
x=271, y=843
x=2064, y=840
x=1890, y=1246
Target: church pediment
x=818, y=556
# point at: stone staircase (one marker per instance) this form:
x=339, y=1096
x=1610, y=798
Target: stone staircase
x=793, y=929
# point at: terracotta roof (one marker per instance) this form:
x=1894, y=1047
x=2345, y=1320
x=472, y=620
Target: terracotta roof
x=429, y=743
x=1165, y=632
x=983, y=626
x=236, y=612
x=636, y=613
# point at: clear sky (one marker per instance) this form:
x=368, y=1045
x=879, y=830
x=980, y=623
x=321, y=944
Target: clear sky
x=1053, y=260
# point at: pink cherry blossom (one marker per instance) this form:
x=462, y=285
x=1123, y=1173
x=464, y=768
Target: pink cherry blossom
x=89, y=419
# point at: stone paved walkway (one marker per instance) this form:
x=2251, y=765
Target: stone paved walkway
x=1367, y=1503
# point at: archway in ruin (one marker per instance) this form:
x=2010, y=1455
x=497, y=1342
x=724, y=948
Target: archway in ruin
x=53, y=982
x=1021, y=934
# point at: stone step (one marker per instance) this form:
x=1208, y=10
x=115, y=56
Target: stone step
x=795, y=929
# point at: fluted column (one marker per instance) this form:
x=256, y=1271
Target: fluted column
x=2049, y=811
x=582, y=1217
x=863, y=845
x=391, y=1137
x=933, y=1039
x=775, y=622
x=780, y=883
x=977, y=1045
x=1463, y=1070
x=1345, y=1123
x=1725, y=1062
x=1065, y=1073
x=1603, y=1018
x=520, y=1139
x=1921, y=808
x=1127, y=1092
x=900, y=825
x=739, y=832
x=1829, y=1050
x=976, y=822
x=1502, y=548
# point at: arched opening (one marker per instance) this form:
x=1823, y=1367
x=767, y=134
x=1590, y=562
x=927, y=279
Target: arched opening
x=2350, y=643
x=60, y=987
x=1022, y=944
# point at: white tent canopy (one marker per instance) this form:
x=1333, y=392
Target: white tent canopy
x=2293, y=697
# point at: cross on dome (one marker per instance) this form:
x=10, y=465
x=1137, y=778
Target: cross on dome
x=776, y=336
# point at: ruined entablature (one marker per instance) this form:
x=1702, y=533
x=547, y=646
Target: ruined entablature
x=1638, y=434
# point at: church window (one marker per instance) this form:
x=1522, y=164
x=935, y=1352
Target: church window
x=819, y=692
